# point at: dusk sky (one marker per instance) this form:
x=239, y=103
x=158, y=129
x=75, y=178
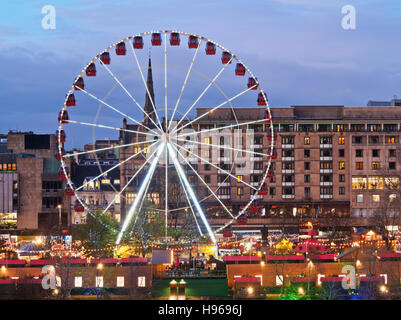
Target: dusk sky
x=296, y=48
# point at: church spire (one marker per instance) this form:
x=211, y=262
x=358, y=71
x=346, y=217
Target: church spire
x=148, y=104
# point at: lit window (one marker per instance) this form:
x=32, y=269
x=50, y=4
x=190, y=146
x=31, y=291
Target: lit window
x=141, y=282
x=390, y=140
x=106, y=181
x=339, y=127
x=376, y=198
x=239, y=178
x=359, y=198
x=78, y=282
x=359, y=165
x=392, y=197
x=375, y=165
x=375, y=183
x=120, y=282
x=116, y=181
x=14, y=167
x=341, y=165
x=137, y=149
x=207, y=140
x=307, y=140
x=145, y=148
x=279, y=280
x=240, y=191
x=341, y=140
x=99, y=282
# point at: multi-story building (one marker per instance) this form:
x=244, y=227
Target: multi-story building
x=32, y=194
x=330, y=161
x=100, y=191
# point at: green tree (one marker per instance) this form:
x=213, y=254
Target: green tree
x=99, y=231
x=146, y=226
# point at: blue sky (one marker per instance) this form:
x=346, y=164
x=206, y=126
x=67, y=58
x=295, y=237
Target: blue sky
x=296, y=48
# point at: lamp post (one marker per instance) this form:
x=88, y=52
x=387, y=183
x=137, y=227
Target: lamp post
x=59, y=220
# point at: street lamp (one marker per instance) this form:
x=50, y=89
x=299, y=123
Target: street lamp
x=59, y=220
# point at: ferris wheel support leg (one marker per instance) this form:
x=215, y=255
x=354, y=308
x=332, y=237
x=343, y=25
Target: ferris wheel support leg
x=141, y=193
x=191, y=193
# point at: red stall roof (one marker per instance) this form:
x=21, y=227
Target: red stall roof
x=246, y=279
x=285, y=257
x=242, y=258
x=12, y=261
x=134, y=260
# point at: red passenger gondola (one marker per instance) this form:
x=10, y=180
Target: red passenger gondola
x=138, y=42
x=120, y=49
x=242, y=220
x=270, y=173
x=156, y=39
x=63, y=118
x=78, y=207
x=192, y=42
x=175, y=39
x=69, y=190
x=70, y=100
x=252, y=84
x=61, y=173
x=273, y=155
x=240, y=69
x=226, y=57
x=271, y=136
x=210, y=48
x=267, y=116
x=62, y=136
x=60, y=155
x=263, y=189
x=261, y=99
x=105, y=58
x=91, y=70
x=227, y=232
x=79, y=84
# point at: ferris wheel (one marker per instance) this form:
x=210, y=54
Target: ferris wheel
x=173, y=119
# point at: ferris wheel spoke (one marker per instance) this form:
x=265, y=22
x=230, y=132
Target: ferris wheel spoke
x=203, y=181
x=166, y=190
x=191, y=193
x=185, y=82
x=165, y=81
x=202, y=94
x=115, y=109
x=147, y=89
x=220, y=128
x=211, y=110
x=107, y=148
x=191, y=206
x=225, y=147
x=141, y=193
x=106, y=127
x=114, y=167
x=129, y=182
x=129, y=94
x=213, y=165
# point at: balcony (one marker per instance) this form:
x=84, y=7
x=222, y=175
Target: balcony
x=287, y=158
x=223, y=184
x=288, y=196
x=224, y=196
x=256, y=158
x=255, y=184
x=288, y=184
x=326, y=196
x=224, y=159
x=326, y=183
x=287, y=146
x=330, y=158
x=287, y=171
x=256, y=146
x=255, y=171
x=326, y=145
x=326, y=170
